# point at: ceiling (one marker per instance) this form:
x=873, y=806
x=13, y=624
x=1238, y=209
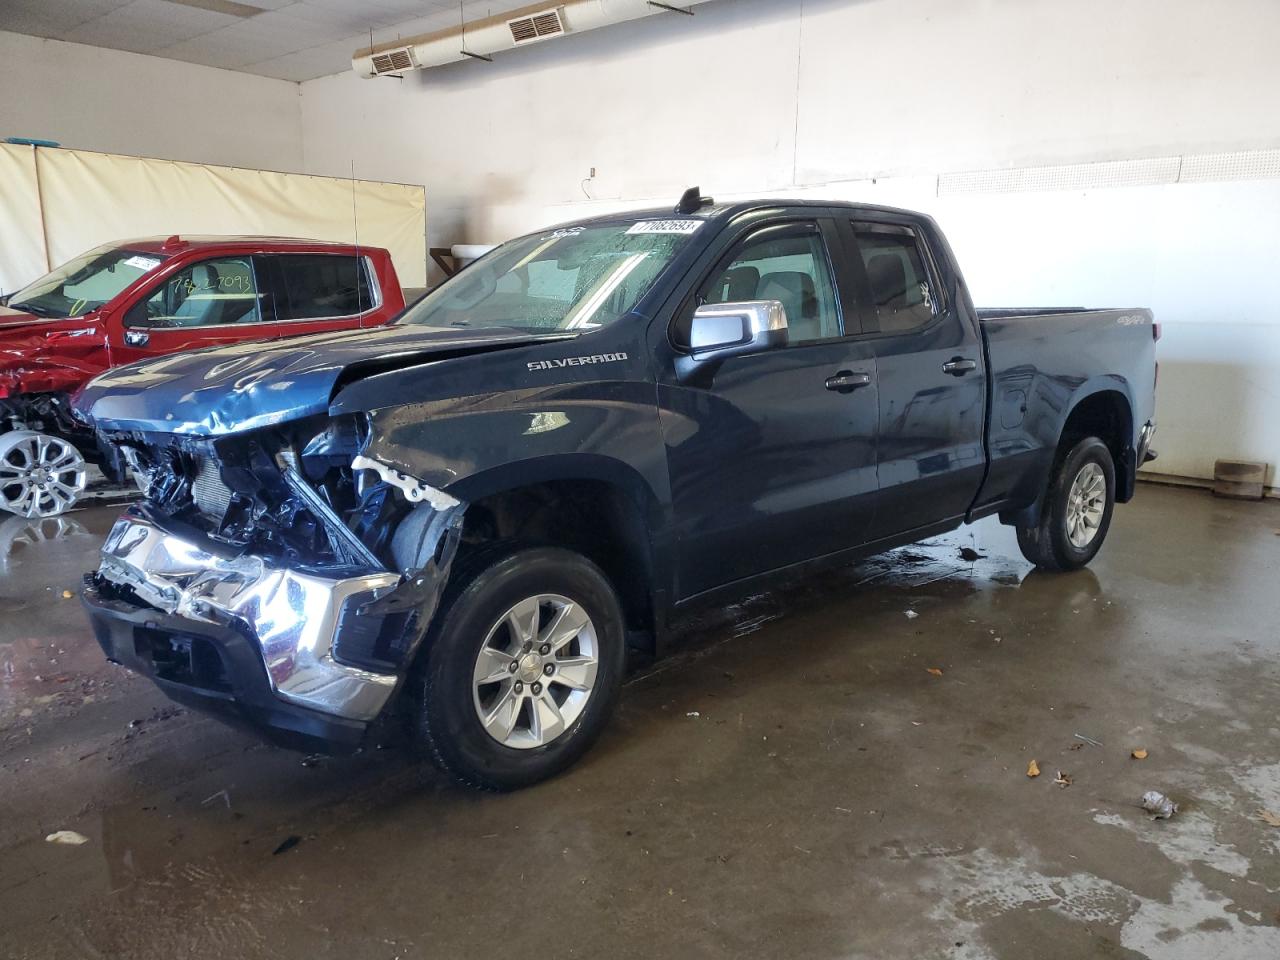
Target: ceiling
x=287, y=39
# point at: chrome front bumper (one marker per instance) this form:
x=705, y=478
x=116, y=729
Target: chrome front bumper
x=291, y=615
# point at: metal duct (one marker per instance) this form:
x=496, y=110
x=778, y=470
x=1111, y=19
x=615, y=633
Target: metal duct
x=516, y=28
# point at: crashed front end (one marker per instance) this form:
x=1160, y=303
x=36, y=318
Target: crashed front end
x=276, y=577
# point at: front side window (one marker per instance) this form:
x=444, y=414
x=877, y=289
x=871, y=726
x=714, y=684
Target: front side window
x=319, y=285
x=211, y=293
x=85, y=283
x=574, y=278
x=789, y=266
x=901, y=286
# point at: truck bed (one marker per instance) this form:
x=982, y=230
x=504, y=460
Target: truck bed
x=1038, y=359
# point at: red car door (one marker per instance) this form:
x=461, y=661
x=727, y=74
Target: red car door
x=207, y=302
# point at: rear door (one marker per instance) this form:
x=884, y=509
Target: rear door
x=932, y=386
x=320, y=292
x=771, y=460
x=211, y=301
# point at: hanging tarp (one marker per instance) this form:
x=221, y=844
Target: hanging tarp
x=71, y=200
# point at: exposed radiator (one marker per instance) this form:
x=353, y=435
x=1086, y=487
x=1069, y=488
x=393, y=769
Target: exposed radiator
x=212, y=497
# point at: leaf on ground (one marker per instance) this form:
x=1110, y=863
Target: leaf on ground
x=935, y=671
x=68, y=837
x=1033, y=769
x=1267, y=817
x=1139, y=754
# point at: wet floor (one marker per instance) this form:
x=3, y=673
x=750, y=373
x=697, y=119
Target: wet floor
x=816, y=774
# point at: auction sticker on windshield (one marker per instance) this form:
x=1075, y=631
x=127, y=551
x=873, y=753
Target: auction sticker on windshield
x=665, y=226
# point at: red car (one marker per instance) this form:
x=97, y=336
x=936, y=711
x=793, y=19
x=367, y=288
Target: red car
x=140, y=299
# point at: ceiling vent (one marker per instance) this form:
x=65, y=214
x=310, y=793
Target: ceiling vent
x=394, y=61
x=537, y=26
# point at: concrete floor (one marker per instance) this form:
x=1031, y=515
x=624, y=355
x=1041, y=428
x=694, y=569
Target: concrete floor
x=795, y=783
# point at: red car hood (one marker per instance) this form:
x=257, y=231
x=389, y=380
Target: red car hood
x=38, y=354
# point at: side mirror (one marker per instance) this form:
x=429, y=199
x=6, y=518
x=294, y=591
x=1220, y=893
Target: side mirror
x=731, y=329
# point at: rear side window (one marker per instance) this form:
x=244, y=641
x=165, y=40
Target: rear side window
x=902, y=288
x=320, y=285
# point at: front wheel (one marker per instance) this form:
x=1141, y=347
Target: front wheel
x=40, y=475
x=522, y=668
x=1077, y=510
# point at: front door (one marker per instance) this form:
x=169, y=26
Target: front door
x=203, y=304
x=932, y=385
x=772, y=455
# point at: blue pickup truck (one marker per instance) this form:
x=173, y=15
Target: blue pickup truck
x=467, y=516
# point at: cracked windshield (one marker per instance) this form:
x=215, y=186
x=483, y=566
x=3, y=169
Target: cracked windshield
x=578, y=278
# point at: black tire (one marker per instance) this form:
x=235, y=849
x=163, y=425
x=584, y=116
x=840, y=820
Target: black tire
x=487, y=586
x=1048, y=544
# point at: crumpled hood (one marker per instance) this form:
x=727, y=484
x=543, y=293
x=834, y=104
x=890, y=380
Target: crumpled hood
x=39, y=354
x=248, y=386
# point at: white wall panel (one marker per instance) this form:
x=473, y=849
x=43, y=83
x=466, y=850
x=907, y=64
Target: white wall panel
x=1045, y=136
x=90, y=98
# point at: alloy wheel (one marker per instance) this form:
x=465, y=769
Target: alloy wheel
x=1086, y=505
x=40, y=475
x=535, y=671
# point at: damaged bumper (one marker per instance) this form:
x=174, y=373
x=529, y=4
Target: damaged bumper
x=210, y=624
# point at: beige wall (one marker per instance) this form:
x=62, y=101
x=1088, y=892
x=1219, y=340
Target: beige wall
x=90, y=98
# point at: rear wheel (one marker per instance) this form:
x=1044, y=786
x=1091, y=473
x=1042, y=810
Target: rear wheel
x=1077, y=510
x=522, y=669
x=40, y=475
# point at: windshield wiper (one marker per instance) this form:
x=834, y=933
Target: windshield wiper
x=39, y=311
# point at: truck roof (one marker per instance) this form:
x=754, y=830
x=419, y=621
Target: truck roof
x=188, y=242
x=727, y=211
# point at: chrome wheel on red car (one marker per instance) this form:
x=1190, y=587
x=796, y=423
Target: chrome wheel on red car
x=40, y=475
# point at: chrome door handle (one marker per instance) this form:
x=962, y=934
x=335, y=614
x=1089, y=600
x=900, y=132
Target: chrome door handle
x=137, y=338
x=846, y=381
x=959, y=366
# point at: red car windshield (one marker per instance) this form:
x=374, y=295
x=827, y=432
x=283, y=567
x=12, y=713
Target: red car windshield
x=85, y=283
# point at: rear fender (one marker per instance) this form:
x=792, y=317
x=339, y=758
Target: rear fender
x=1125, y=456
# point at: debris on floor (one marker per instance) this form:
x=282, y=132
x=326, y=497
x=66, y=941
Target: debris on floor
x=693, y=713
x=67, y=594
x=1033, y=769
x=968, y=554
x=67, y=836
x=1158, y=805
x=1063, y=779
x=224, y=795
x=1139, y=754
x=1089, y=740
x=936, y=671
x=911, y=614
x=288, y=843
x=1269, y=818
